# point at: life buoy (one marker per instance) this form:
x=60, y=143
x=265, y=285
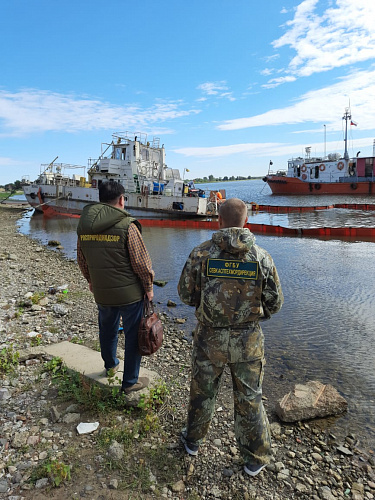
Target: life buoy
x=340, y=165
x=219, y=196
x=303, y=168
x=322, y=167
x=304, y=177
x=317, y=186
x=353, y=185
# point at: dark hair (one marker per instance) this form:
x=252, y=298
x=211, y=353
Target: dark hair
x=233, y=212
x=110, y=192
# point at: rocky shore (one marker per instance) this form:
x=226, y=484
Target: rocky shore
x=38, y=427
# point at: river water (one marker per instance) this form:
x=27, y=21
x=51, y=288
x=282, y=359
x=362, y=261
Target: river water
x=326, y=328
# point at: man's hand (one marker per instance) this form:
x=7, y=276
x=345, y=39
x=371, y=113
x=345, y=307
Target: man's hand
x=150, y=295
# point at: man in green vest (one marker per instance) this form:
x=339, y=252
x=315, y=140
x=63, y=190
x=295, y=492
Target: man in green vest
x=113, y=258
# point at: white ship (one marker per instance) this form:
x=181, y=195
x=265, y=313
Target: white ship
x=151, y=188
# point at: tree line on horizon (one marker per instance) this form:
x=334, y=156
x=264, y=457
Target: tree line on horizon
x=212, y=178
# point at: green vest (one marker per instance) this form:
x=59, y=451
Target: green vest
x=103, y=234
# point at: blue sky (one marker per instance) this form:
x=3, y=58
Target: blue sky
x=226, y=85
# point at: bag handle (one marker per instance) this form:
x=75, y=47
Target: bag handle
x=148, y=307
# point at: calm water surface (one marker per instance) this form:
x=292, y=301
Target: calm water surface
x=326, y=328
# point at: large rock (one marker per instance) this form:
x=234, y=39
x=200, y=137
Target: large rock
x=310, y=400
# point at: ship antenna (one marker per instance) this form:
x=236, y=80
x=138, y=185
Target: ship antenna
x=347, y=116
x=325, y=142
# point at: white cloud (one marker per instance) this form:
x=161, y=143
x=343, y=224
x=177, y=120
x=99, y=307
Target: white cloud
x=322, y=106
x=275, y=82
x=343, y=34
x=32, y=110
x=217, y=89
x=266, y=149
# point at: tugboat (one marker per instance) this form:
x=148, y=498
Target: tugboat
x=326, y=175
x=151, y=188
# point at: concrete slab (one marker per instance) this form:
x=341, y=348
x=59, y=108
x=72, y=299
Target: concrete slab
x=90, y=364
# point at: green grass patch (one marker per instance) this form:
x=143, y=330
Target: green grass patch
x=8, y=360
x=56, y=471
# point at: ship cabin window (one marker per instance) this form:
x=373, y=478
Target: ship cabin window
x=298, y=171
x=316, y=172
x=369, y=165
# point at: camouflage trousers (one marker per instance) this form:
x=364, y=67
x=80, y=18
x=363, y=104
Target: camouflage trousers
x=250, y=420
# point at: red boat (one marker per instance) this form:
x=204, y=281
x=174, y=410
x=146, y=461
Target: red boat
x=329, y=175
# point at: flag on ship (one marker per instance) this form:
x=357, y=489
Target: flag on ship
x=353, y=123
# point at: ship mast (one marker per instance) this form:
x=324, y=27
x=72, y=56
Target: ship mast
x=347, y=116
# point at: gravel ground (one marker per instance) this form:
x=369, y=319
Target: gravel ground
x=38, y=427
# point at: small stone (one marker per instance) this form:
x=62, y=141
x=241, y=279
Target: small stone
x=113, y=484
x=20, y=439
x=4, y=394
x=283, y=474
x=55, y=414
x=217, y=442
x=178, y=487
x=3, y=486
x=317, y=457
x=170, y=303
x=33, y=440
x=70, y=418
x=43, y=455
x=116, y=451
x=227, y=472
x=344, y=450
x=59, y=310
x=41, y=483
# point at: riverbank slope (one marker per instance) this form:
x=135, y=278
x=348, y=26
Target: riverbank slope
x=38, y=425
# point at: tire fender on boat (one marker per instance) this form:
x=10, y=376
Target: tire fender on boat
x=303, y=168
x=322, y=167
x=317, y=186
x=340, y=165
x=304, y=177
x=353, y=185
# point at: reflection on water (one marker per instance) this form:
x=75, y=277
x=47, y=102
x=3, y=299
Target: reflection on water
x=326, y=328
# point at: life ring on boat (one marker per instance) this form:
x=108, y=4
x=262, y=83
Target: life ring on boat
x=322, y=167
x=317, y=186
x=354, y=185
x=304, y=177
x=340, y=165
x=303, y=168
x=93, y=183
x=155, y=172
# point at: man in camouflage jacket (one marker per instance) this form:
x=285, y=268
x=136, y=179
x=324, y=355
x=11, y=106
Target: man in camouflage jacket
x=233, y=284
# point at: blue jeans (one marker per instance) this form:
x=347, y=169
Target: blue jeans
x=109, y=320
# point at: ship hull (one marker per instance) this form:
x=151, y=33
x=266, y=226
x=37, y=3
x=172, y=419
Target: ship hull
x=282, y=185
x=67, y=200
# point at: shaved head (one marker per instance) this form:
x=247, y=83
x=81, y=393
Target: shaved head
x=233, y=213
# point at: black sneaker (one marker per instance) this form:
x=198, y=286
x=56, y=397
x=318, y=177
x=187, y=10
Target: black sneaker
x=253, y=469
x=190, y=448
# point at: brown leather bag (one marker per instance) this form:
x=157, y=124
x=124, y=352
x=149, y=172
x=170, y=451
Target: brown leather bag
x=150, y=332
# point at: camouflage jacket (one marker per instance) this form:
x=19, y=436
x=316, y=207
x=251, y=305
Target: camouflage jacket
x=231, y=281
